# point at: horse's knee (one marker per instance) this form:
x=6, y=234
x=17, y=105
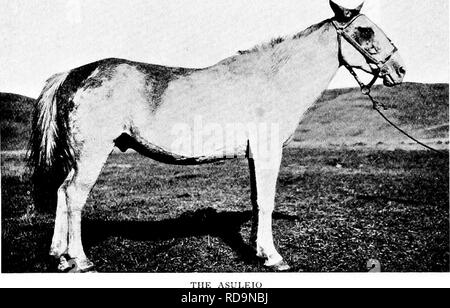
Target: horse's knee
x=76, y=195
x=62, y=196
x=62, y=190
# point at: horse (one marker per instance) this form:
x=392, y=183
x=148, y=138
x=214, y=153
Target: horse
x=247, y=106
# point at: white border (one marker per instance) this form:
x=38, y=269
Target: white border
x=268, y=280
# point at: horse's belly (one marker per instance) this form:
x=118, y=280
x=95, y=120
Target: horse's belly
x=181, y=152
x=212, y=118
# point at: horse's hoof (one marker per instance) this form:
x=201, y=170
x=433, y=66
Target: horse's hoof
x=81, y=266
x=75, y=265
x=281, y=266
x=63, y=265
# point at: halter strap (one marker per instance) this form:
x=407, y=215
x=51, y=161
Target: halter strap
x=340, y=29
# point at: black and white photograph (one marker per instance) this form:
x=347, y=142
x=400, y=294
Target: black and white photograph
x=224, y=137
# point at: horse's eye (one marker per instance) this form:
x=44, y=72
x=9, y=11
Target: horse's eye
x=373, y=50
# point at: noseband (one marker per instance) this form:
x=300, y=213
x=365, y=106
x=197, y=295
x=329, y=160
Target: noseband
x=340, y=29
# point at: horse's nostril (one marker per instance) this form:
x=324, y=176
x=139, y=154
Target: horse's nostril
x=401, y=70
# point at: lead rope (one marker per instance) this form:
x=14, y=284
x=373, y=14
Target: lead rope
x=365, y=90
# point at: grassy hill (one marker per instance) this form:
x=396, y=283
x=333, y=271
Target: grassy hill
x=15, y=118
x=341, y=117
x=346, y=117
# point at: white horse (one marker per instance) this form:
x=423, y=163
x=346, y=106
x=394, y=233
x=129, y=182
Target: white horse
x=190, y=116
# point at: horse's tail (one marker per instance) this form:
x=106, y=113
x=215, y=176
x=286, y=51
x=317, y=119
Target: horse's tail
x=50, y=151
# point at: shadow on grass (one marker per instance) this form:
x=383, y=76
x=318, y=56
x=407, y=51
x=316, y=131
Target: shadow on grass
x=225, y=225
x=25, y=248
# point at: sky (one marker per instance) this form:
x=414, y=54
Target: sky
x=39, y=38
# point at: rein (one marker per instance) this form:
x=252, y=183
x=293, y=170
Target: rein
x=366, y=88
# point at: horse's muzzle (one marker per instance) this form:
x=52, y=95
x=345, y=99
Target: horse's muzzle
x=393, y=71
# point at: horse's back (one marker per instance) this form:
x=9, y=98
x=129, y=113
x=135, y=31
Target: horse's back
x=116, y=85
x=113, y=70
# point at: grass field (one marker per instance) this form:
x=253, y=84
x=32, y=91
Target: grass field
x=336, y=209
x=345, y=117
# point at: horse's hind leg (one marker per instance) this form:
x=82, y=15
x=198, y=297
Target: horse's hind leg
x=60, y=235
x=76, y=191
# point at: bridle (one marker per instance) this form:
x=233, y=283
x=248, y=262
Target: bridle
x=376, y=72
x=379, y=64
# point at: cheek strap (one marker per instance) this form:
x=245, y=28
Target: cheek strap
x=365, y=89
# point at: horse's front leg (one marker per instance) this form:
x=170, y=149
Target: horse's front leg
x=264, y=174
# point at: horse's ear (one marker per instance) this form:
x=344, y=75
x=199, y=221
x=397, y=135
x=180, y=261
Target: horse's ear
x=345, y=14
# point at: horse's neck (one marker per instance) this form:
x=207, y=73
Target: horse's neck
x=296, y=71
x=304, y=67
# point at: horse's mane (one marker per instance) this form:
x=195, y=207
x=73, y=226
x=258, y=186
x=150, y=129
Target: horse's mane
x=310, y=29
x=278, y=40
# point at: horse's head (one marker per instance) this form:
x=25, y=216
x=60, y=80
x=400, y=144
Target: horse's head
x=365, y=46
